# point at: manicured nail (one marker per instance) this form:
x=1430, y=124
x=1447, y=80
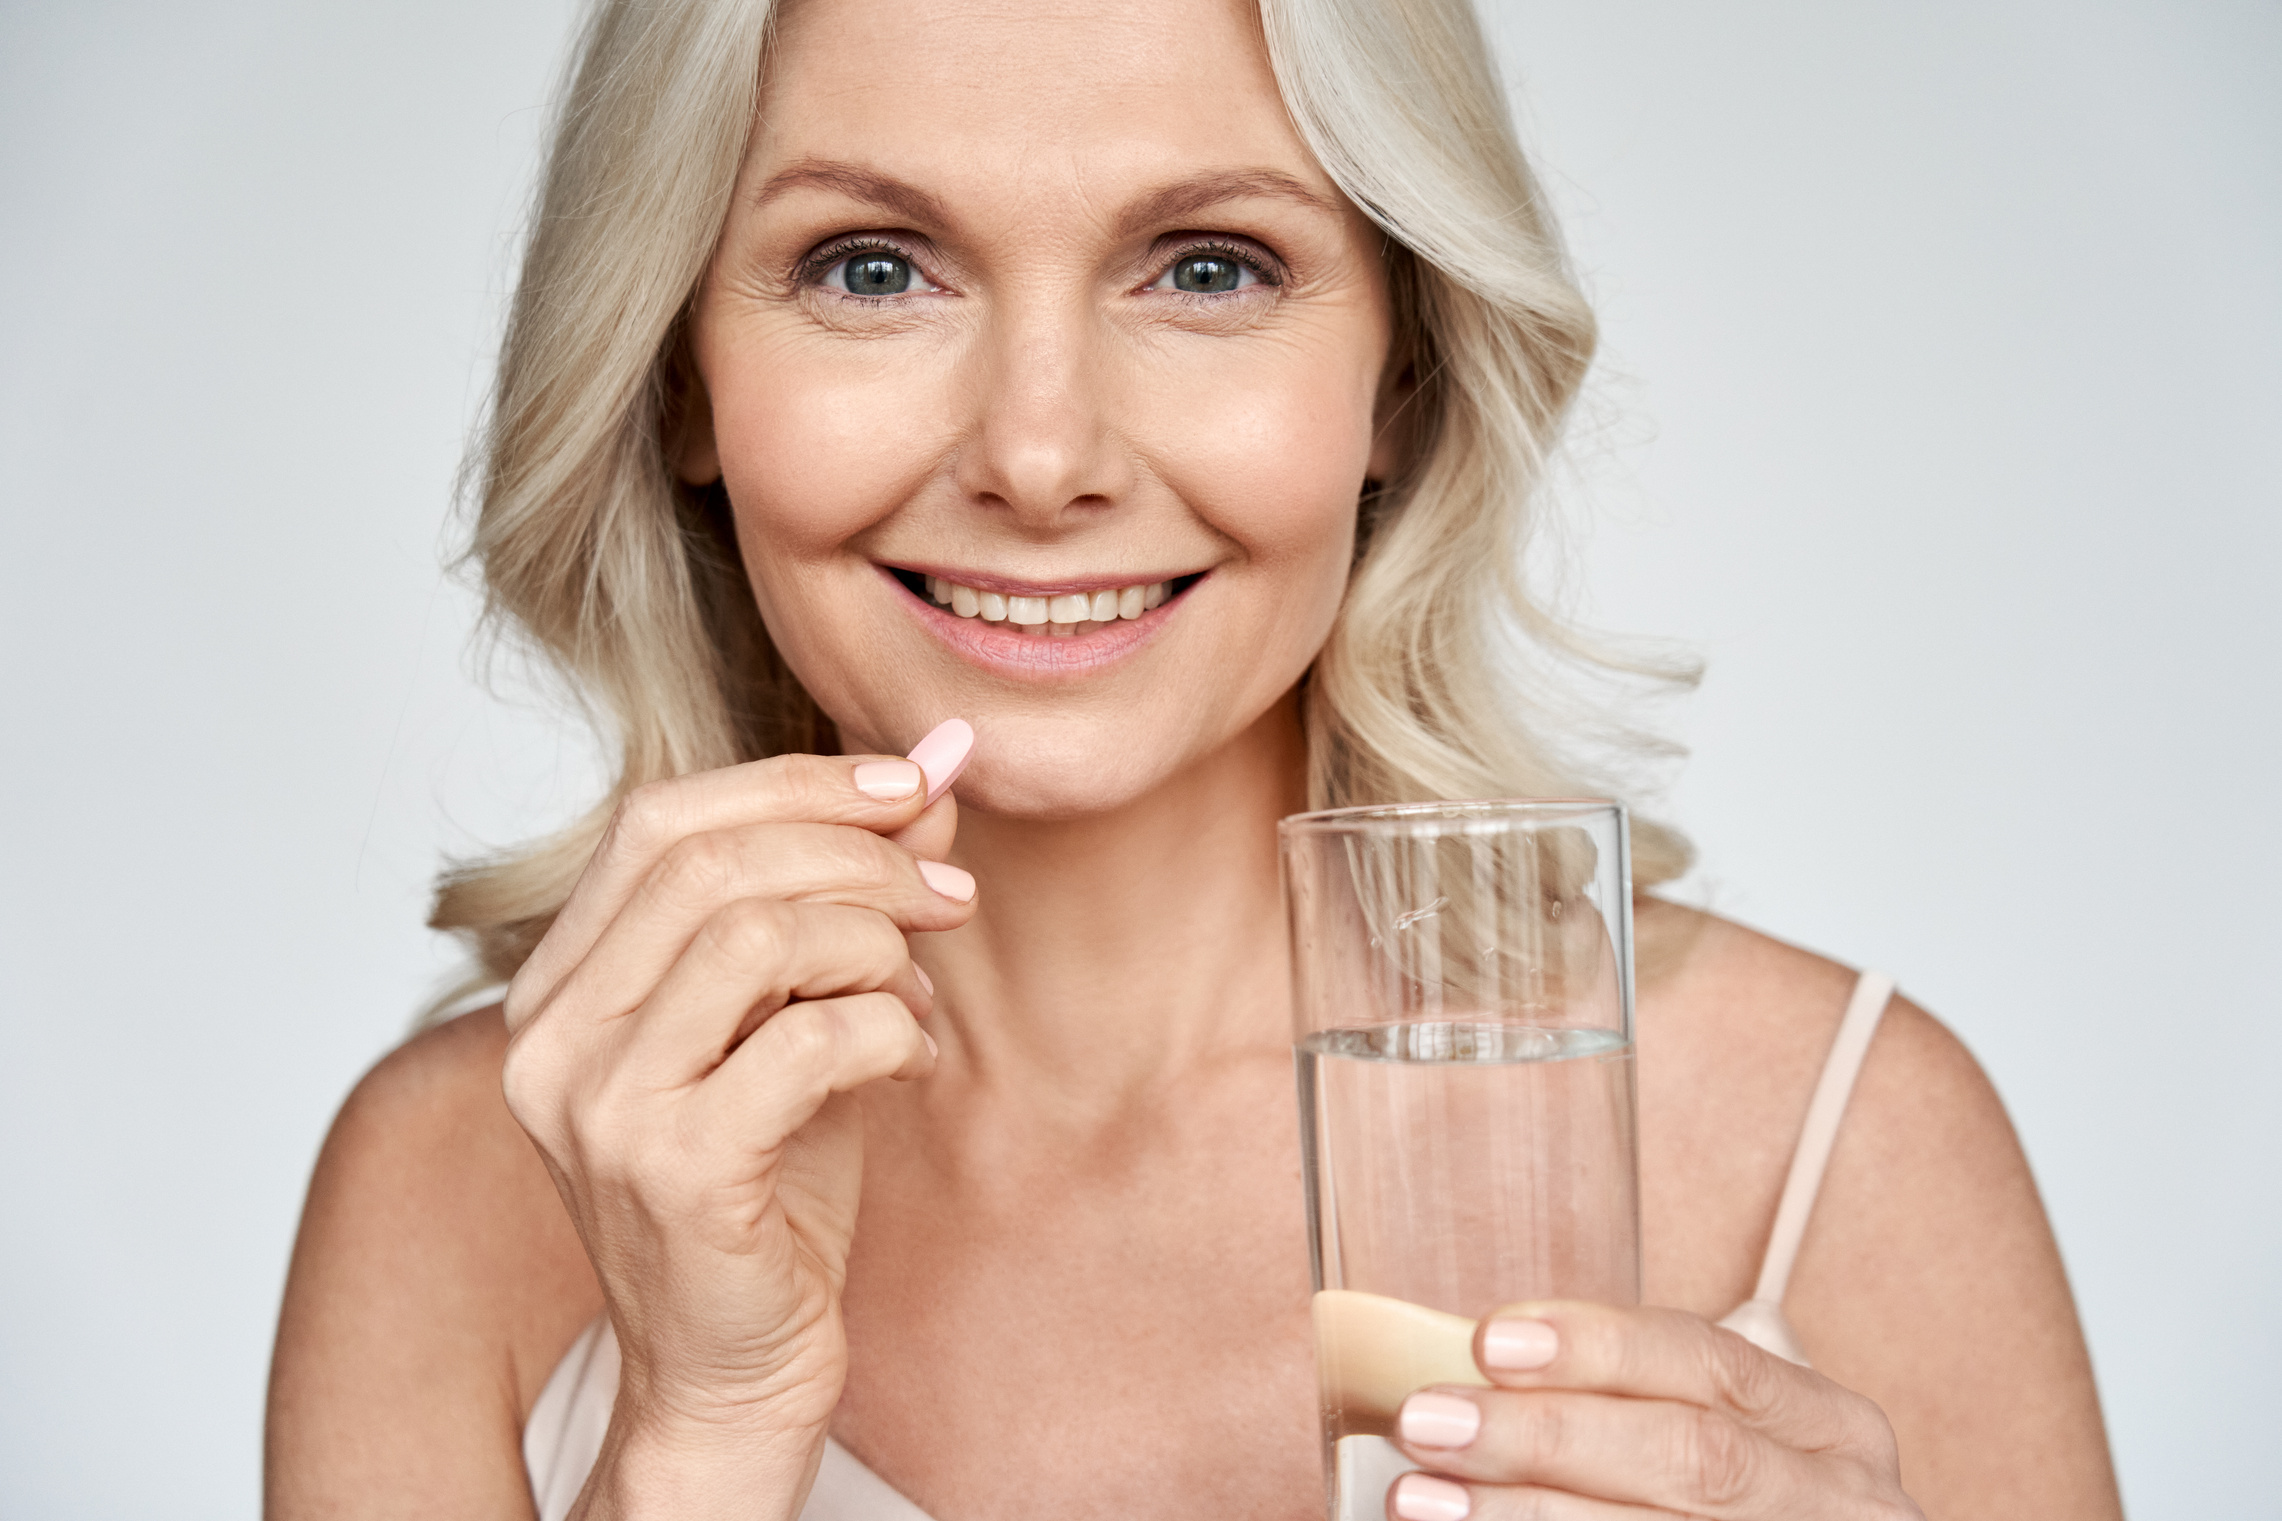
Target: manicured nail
x=1439, y=1420
x=1516, y=1346
x=1420, y=1497
x=948, y=880
x=889, y=781
x=925, y=981
x=932, y=1050
x=943, y=754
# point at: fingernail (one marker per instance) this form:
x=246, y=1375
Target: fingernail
x=948, y=880
x=1420, y=1497
x=932, y=1050
x=925, y=981
x=889, y=781
x=943, y=754
x=1439, y=1420
x=1515, y=1346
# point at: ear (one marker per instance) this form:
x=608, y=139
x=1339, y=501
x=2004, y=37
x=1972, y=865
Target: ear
x=691, y=448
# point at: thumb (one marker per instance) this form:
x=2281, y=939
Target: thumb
x=929, y=836
x=942, y=755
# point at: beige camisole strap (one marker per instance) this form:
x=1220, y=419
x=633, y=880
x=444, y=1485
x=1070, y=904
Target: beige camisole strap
x=564, y=1434
x=1759, y=1319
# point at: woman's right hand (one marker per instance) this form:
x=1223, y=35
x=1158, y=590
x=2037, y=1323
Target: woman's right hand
x=684, y=1045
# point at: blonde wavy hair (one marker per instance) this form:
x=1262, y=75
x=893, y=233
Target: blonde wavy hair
x=1444, y=676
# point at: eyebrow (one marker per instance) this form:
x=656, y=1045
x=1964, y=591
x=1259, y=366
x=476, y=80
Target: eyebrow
x=857, y=183
x=1178, y=202
x=1169, y=204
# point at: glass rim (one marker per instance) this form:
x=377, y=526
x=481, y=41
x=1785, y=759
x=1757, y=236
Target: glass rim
x=1360, y=818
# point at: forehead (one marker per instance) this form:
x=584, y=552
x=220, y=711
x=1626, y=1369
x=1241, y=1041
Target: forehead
x=1037, y=89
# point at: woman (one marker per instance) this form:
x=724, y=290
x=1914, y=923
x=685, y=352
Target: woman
x=1157, y=392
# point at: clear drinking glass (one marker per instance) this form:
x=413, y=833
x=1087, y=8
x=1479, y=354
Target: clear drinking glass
x=1462, y=1003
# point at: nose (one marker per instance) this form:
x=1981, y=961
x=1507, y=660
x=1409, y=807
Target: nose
x=1042, y=442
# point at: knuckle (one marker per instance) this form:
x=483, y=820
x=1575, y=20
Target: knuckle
x=750, y=930
x=643, y=820
x=1872, y=1433
x=1543, y=1435
x=1529, y=1503
x=1745, y=1377
x=1716, y=1459
x=865, y=862
x=534, y=1077
x=696, y=868
x=807, y=1036
x=1607, y=1343
x=810, y=776
x=525, y=1081
x=877, y=939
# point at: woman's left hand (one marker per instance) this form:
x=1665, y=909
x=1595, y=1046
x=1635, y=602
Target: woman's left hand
x=1601, y=1413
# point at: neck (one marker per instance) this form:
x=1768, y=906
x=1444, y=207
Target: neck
x=1115, y=952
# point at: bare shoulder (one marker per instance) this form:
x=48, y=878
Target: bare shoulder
x=1929, y=1279
x=435, y=1279
x=1734, y=1027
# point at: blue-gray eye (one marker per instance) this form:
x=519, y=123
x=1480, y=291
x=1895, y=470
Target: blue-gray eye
x=1208, y=274
x=875, y=274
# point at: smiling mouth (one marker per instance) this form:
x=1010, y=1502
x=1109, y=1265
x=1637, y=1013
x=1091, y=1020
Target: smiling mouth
x=1063, y=615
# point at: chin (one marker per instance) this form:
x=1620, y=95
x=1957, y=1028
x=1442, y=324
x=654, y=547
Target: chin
x=1074, y=778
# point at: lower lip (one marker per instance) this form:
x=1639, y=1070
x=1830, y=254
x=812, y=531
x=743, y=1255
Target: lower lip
x=999, y=648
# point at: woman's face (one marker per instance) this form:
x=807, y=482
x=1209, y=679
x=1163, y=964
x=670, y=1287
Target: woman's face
x=1047, y=304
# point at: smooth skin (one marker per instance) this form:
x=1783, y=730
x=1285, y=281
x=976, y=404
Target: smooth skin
x=992, y=1172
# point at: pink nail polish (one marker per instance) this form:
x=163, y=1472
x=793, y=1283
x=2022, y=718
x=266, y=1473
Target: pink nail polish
x=932, y=1049
x=925, y=981
x=1421, y=1497
x=889, y=781
x=948, y=880
x=943, y=754
x=1517, y=1346
x=1439, y=1420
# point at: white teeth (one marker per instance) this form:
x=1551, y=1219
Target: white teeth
x=1059, y=617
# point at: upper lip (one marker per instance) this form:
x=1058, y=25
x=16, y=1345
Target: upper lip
x=983, y=581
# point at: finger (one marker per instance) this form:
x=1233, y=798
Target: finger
x=1663, y=1354
x=748, y=961
x=1426, y=1497
x=800, y=863
x=877, y=792
x=930, y=834
x=1636, y=1451
x=776, y=1081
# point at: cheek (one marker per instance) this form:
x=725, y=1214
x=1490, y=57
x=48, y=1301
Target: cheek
x=815, y=452
x=1272, y=454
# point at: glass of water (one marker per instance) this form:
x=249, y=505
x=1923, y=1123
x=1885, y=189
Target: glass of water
x=1462, y=1003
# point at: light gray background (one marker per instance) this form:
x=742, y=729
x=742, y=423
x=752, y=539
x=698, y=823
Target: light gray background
x=1939, y=414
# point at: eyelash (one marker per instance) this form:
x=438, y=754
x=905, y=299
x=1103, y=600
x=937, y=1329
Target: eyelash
x=818, y=264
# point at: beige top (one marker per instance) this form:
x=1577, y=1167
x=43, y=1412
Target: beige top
x=564, y=1435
